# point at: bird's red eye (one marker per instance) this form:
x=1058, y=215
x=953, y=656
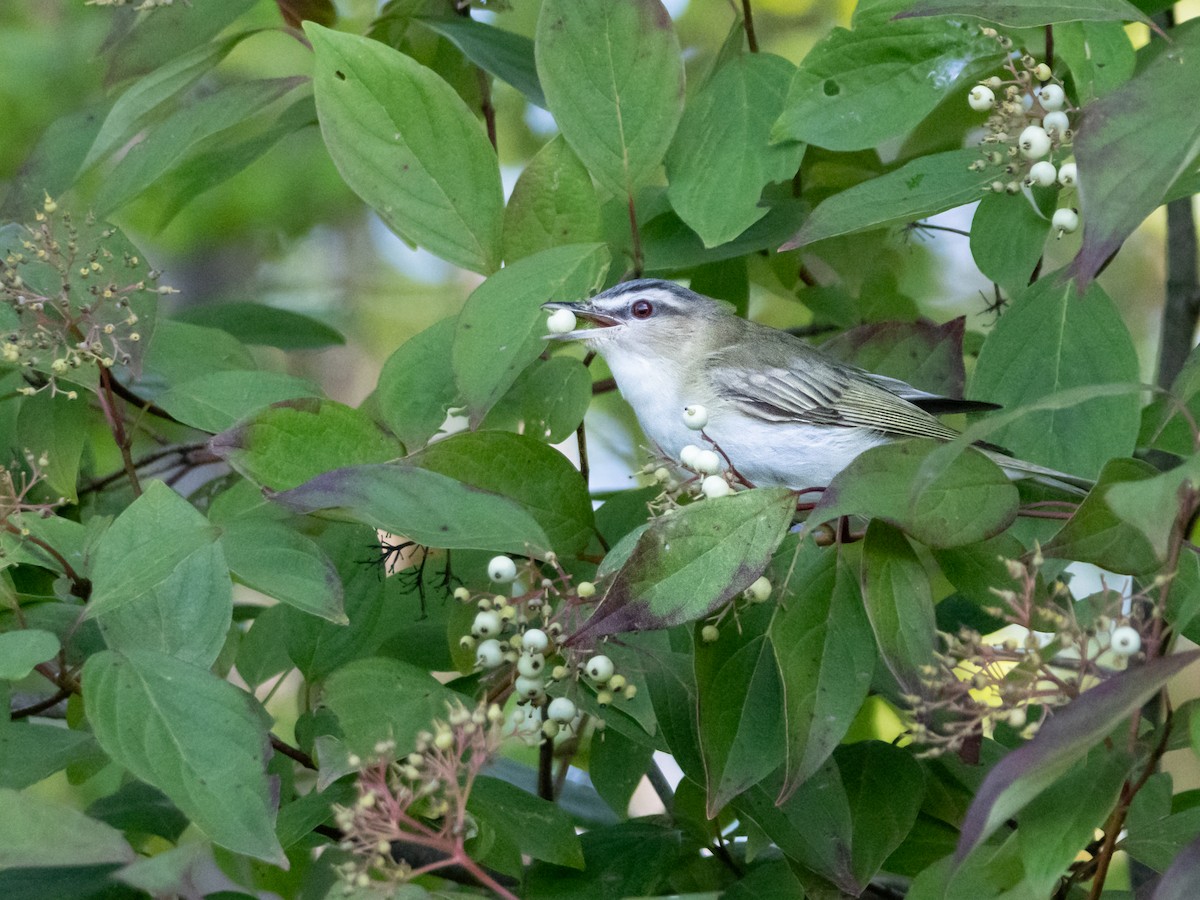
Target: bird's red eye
x=642, y=309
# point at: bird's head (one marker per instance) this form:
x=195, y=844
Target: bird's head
x=648, y=315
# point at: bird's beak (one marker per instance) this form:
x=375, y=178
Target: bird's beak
x=582, y=311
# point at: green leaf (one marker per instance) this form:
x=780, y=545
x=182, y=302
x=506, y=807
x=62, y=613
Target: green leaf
x=1007, y=239
x=32, y=751
x=1099, y=55
x=1060, y=822
x=165, y=145
x=855, y=89
x=317, y=646
x=632, y=859
x=969, y=500
x=416, y=386
x=826, y=656
x=884, y=786
x=257, y=323
x=687, y=565
x=613, y=79
x=538, y=827
x=1178, y=882
x=294, y=441
x=1096, y=534
x=180, y=352
x=899, y=604
x=725, y=129
x=1151, y=505
x=554, y=396
x=21, y=650
x=616, y=766
x=500, y=329
x=927, y=185
x=553, y=203
x=186, y=616
x=507, y=55
x=216, y=401
x=811, y=827
x=137, y=808
x=1131, y=146
x=36, y=831
x=154, y=40
x=1050, y=340
x=423, y=506
x=51, y=424
x=281, y=563
x=144, y=546
x=741, y=734
x=379, y=699
x=1060, y=743
x=1028, y=13
x=407, y=144
x=525, y=470
x=198, y=739
x=149, y=95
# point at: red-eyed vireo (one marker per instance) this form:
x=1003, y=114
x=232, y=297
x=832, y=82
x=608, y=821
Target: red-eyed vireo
x=782, y=411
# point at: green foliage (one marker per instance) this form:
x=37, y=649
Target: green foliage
x=252, y=623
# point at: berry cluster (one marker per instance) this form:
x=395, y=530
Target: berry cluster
x=1062, y=648
x=758, y=592
x=521, y=638
x=712, y=475
x=76, y=290
x=1028, y=130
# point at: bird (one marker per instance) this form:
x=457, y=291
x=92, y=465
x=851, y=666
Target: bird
x=782, y=412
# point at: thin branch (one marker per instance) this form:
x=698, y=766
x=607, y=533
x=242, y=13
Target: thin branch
x=748, y=25
x=546, y=769
x=638, y=261
x=116, y=425
x=280, y=746
x=658, y=781
x=42, y=705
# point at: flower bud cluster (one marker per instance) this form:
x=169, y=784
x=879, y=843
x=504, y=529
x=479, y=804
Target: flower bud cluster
x=1029, y=132
x=75, y=298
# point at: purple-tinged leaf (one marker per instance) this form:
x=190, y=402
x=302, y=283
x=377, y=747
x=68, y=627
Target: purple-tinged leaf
x=688, y=564
x=926, y=355
x=1179, y=882
x=1060, y=743
x=1132, y=144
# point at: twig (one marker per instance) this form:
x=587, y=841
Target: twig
x=658, y=781
x=280, y=746
x=748, y=25
x=546, y=769
x=116, y=425
x=42, y=705
x=638, y=262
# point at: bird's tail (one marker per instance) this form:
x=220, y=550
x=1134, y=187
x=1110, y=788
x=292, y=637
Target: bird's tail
x=1019, y=468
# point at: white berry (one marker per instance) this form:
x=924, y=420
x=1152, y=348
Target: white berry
x=535, y=640
x=585, y=589
x=489, y=654
x=502, y=569
x=715, y=486
x=1042, y=173
x=561, y=709
x=687, y=455
x=599, y=668
x=531, y=664
x=760, y=590
x=695, y=417
x=981, y=97
x=707, y=462
x=1042, y=72
x=1051, y=97
x=487, y=624
x=529, y=688
x=1125, y=641
x=1065, y=220
x=710, y=633
x=1056, y=122
x=561, y=321
x=1068, y=175
x=1034, y=142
